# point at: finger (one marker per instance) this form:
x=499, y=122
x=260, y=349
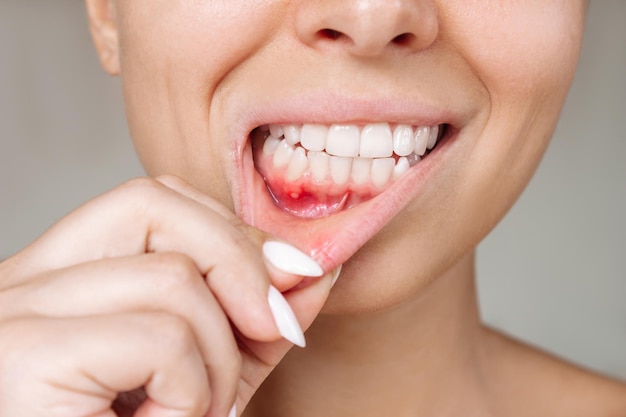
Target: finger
x=145, y=216
x=288, y=266
x=285, y=274
x=306, y=302
x=262, y=358
x=78, y=366
x=184, y=188
x=166, y=282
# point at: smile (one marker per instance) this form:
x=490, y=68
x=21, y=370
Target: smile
x=314, y=170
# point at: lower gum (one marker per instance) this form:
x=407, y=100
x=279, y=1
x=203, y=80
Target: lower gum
x=307, y=205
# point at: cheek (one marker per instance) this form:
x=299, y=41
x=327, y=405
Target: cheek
x=525, y=54
x=519, y=46
x=175, y=56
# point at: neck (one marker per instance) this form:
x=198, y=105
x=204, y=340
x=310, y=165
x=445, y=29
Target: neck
x=419, y=358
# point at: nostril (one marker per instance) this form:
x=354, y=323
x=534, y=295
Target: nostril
x=330, y=34
x=403, y=39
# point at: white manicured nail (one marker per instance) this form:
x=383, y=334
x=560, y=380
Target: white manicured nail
x=284, y=317
x=233, y=411
x=336, y=273
x=290, y=259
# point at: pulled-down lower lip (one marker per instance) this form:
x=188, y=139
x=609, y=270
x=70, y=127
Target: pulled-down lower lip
x=324, y=220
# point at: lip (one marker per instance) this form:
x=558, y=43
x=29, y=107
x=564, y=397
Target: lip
x=332, y=240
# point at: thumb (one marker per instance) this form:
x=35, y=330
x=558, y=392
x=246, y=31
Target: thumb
x=308, y=298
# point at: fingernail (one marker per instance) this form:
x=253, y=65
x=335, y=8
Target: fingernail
x=233, y=411
x=284, y=317
x=290, y=259
x=336, y=273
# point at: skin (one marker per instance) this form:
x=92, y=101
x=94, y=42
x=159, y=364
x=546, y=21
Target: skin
x=399, y=334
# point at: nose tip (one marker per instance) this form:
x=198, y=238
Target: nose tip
x=368, y=27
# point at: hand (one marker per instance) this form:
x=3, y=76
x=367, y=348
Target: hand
x=154, y=286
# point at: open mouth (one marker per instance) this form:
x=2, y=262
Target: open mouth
x=328, y=188
x=313, y=170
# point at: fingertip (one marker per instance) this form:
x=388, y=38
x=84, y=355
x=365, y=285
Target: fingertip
x=285, y=318
x=289, y=259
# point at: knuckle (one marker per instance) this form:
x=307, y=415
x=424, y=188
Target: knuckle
x=236, y=245
x=175, y=270
x=174, y=335
x=140, y=183
x=140, y=189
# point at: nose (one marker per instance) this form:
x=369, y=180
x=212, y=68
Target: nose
x=367, y=28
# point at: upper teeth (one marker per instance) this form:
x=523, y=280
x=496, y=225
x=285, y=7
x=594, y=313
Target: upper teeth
x=372, y=141
x=343, y=152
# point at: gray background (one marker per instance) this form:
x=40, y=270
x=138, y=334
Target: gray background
x=552, y=273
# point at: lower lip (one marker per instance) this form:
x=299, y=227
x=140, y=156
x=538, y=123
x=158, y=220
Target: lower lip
x=333, y=239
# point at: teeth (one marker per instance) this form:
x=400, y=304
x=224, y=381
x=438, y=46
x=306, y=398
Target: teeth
x=298, y=165
x=282, y=156
x=413, y=159
x=270, y=145
x=382, y=169
x=421, y=140
x=292, y=134
x=361, y=168
x=319, y=165
x=343, y=140
x=313, y=137
x=340, y=169
x=432, y=138
x=376, y=141
x=276, y=131
x=401, y=167
x=346, y=153
x=403, y=140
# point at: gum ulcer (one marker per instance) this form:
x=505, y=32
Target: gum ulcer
x=314, y=170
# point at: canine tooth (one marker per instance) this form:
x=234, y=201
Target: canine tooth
x=318, y=165
x=361, y=168
x=382, y=169
x=298, y=163
x=270, y=145
x=421, y=139
x=282, y=154
x=432, y=138
x=401, y=167
x=340, y=169
x=313, y=137
x=403, y=140
x=376, y=141
x=276, y=131
x=343, y=140
x=292, y=134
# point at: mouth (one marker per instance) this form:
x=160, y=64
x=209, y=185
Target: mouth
x=329, y=187
x=313, y=170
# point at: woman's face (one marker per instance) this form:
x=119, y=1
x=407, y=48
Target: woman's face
x=365, y=82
